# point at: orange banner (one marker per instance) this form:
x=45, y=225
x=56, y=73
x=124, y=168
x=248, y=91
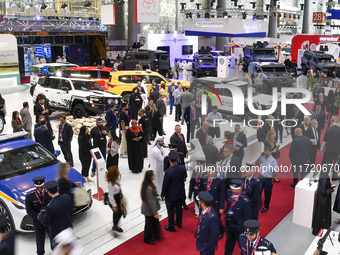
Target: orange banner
x=319, y=17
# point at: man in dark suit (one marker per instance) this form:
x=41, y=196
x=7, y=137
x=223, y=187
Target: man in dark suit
x=65, y=135
x=202, y=133
x=154, y=94
x=216, y=187
x=43, y=136
x=230, y=165
x=253, y=190
x=320, y=116
x=207, y=231
x=277, y=83
x=240, y=138
x=304, y=127
x=298, y=116
x=42, y=107
x=313, y=134
x=211, y=152
x=173, y=191
x=299, y=154
x=317, y=90
x=37, y=200
x=111, y=117
x=268, y=125
x=154, y=83
x=140, y=89
x=332, y=137
x=322, y=100
x=190, y=117
x=57, y=213
x=277, y=124
x=179, y=139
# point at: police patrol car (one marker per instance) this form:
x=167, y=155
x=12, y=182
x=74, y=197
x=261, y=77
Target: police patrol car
x=22, y=159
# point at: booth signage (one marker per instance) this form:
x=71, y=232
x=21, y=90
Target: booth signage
x=147, y=11
x=319, y=17
x=333, y=14
x=232, y=27
x=108, y=14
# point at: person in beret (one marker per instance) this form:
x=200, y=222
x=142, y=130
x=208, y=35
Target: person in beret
x=57, y=213
x=6, y=238
x=251, y=241
x=173, y=191
x=208, y=225
x=238, y=211
x=36, y=201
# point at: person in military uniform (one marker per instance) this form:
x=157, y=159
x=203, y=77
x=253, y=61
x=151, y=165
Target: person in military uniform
x=180, y=160
x=215, y=187
x=36, y=201
x=174, y=192
x=238, y=211
x=196, y=183
x=207, y=230
x=253, y=190
x=251, y=242
x=6, y=239
x=57, y=213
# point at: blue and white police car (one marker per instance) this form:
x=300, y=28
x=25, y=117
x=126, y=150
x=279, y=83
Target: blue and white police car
x=22, y=159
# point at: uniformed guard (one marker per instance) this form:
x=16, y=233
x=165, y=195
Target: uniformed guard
x=208, y=229
x=238, y=211
x=251, y=243
x=180, y=161
x=216, y=187
x=195, y=185
x=57, y=213
x=36, y=201
x=253, y=190
x=6, y=239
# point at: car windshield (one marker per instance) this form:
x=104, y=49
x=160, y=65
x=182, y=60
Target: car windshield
x=207, y=60
x=244, y=89
x=87, y=85
x=24, y=160
x=279, y=69
x=270, y=53
x=327, y=59
x=53, y=69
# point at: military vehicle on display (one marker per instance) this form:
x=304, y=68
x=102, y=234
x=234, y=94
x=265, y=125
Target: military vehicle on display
x=203, y=63
x=258, y=52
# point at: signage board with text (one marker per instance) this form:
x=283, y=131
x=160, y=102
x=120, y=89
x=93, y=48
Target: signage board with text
x=319, y=17
x=147, y=11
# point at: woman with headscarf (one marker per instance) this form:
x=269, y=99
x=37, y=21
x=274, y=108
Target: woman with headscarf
x=156, y=162
x=85, y=146
x=197, y=154
x=135, y=152
x=162, y=91
x=112, y=149
x=134, y=102
x=17, y=124
x=322, y=218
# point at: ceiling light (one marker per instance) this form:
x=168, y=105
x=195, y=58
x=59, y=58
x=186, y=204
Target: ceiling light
x=298, y=16
x=253, y=3
x=87, y=4
x=290, y=16
x=198, y=15
x=120, y=2
x=285, y=15
x=43, y=6
x=183, y=6
x=267, y=6
x=255, y=17
x=63, y=6
x=206, y=15
x=265, y=17
x=198, y=6
x=244, y=15
x=225, y=15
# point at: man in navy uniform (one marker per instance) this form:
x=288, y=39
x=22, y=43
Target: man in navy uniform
x=173, y=191
x=216, y=187
x=237, y=212
x=57, y=213
x=251, y=241
x=207, y=230
x=6, y=239
x=35, y=202
x=253, y=190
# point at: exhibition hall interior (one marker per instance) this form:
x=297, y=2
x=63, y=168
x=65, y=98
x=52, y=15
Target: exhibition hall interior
x=169, y=126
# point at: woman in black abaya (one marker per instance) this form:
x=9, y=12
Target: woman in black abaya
x=322, y=218
x=135, y=147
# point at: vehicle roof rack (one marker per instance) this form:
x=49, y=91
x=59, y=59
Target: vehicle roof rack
x=14, y=136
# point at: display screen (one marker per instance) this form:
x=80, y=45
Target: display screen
x=164, y=48
x=98, y=155
x=187, y=49
x=43, y=51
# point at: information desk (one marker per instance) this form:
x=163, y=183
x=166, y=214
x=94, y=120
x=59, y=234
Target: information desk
x=304, y=202
x=327, y=246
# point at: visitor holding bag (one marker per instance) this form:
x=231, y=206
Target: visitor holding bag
x=150, y=206
x=115, y=196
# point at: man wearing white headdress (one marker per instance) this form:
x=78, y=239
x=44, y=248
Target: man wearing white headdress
x=67, y=243
x=185, y=71
x=156, y=162
x=197, y=154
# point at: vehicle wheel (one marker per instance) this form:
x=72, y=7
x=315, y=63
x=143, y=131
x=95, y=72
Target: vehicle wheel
x=32, y=89
x=249, y=116
x=2, y=124
x=79, y=111
x=126, y=97
x=5, y=212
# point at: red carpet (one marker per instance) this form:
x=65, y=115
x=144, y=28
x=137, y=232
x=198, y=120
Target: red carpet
x=183, y=241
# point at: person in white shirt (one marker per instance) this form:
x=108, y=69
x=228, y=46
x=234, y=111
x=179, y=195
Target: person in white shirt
x=59, y=60
x=197, y=154
x=156, y=162
x=67, y=243
x=42, y=60
x=214, y=129
x=64, y=60
x=37, y=60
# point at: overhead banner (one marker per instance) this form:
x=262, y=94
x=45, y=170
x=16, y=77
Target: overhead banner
x=232, y=27
x=108, y=14
x=9, y=65
x=333, y=14
x=147, y=11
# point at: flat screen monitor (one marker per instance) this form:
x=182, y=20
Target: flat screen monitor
x=98, y=155
x=187, y=49
x=164, y=48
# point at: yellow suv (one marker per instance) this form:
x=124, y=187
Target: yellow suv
x=122, y=82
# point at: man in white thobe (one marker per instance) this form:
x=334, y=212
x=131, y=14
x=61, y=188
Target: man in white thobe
x=156, y=162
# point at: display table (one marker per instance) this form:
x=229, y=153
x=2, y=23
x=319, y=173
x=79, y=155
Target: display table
x=327, y=246
x=304, y=202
